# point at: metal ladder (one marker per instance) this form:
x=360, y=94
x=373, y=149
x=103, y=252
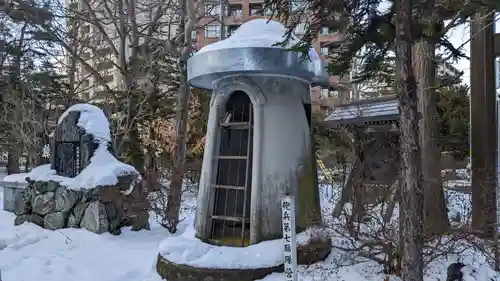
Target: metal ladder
x=227, y=125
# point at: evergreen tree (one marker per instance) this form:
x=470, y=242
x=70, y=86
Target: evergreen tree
x=31, y=86
x=454, y=116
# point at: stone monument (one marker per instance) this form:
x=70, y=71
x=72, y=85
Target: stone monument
x=85, y=185
x=72, y=146
x=259, y=144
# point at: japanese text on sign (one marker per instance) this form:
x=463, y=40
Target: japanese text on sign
x=289, y=241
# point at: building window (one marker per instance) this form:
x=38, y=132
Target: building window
x=324, y=31
x=334, y=94
x=193, y=35
x=104, y=51
x=325, y=93
x=497, y=67
x=268, y=10
x=212, y=31
x=298, y=4
x=329, y=93
x=85, y=56
x=231, y=29
x=99, y=39
x=256, y=9
x=108, y=78
x=85, y=95
x=212, y=9
x=101, y=94
x=325, y=51
x=235, y=10
x=105, y=65
x=300, y=29
x=82, y=69
x=86, y=29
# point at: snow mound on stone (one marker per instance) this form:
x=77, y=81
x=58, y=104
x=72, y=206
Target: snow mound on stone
x=92, y=120
x=16, y=178
x=258, y=33
x=104, y=170
x=35, y=173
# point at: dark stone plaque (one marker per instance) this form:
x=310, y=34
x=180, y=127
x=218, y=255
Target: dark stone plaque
x=73, y=147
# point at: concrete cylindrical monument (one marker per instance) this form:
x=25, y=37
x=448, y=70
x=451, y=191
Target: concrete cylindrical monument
x=259, y=138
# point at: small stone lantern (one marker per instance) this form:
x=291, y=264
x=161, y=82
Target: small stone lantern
x=258, y=146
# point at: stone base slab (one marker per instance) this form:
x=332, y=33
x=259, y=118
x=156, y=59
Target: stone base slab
x=179, y=272
x=12, y=191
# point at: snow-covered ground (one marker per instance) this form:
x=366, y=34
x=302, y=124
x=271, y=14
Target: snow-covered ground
x=29, y=253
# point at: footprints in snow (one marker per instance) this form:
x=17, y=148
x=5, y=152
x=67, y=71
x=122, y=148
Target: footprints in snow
x=21, y=241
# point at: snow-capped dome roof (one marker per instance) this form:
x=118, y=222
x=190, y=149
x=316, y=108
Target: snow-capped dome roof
x=258, y=33
x=251, y=50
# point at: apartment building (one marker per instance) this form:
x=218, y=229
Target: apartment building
x=92, y=48
x=96, y=44
x=237, y=12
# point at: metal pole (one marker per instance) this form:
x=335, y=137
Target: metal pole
x=497, y=199
x=222, y=11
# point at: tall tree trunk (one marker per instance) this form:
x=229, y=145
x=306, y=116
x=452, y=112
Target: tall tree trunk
x=13, y=160
x=72, y=68
x=44, y=140
x=133, y=148
x=28, y=162
x=412, y=191
x=151, y=171
x=15, y=111
x=188, y=18
x=175, y=191
x=424, y=64
x=483, y=128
